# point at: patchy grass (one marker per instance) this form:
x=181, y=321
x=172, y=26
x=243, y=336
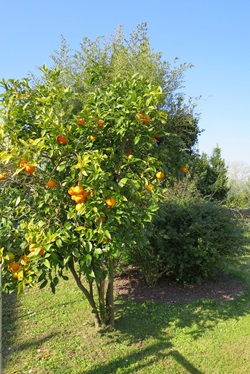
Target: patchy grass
x=46, y=333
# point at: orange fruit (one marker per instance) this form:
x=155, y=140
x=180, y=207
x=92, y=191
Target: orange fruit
x=110, y=202
x=51, y=183
x=149, y=187
x=3, y=176
x=15, y=275
x=159, y=175
x=91, y=137
x=100, y=122
x=128, y=154
x=71, y=191
x=26, y=258
x=146, y=120
x=33, y=247
x=78, y=207
x=139, y=115
x=78, y=198
x=78, y=190
x=41, y=252
x=80, y=121
x=184, y=169
x=13, y=266
x=27, y=167
x=61, y=139
x=23, y=163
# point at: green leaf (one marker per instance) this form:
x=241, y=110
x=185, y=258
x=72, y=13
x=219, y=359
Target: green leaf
x=20, y=287
x=44, y=284
x=122, y=182
x=80, y=228
x=137, y=139
x=47, y=263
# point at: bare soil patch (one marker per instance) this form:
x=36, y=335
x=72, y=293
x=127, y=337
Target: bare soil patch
x=130, y=284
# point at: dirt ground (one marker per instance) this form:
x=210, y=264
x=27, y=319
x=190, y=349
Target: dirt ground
x=131, y=284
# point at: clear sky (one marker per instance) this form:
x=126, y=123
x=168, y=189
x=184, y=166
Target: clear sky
x=213, y=35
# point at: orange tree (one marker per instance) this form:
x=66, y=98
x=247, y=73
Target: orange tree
x=77, y=188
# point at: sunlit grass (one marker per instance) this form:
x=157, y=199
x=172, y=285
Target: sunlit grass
x=46, y=333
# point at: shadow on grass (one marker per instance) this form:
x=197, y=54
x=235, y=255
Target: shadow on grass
x=160, y=351
x=139, y=322
x=10, y=309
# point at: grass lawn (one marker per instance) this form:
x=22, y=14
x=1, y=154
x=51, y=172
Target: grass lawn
x=46, y=333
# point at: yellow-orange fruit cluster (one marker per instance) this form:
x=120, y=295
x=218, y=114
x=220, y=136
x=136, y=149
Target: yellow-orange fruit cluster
x=78, y=194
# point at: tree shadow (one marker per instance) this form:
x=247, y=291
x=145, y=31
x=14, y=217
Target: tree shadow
x=10, y=308
x=159, y=322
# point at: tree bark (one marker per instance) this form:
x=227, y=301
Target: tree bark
x=88, y=295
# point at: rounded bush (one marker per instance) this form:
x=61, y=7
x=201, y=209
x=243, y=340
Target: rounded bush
x=189, y=239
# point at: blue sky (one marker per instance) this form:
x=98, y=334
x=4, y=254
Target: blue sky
x=213, y=35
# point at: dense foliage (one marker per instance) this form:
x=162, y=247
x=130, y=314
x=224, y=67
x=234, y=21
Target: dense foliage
x=189, y=239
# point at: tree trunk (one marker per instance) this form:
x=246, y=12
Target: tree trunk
x=110, y=295
x=88, y=295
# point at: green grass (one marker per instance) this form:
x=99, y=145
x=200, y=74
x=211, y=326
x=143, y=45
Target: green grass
x=46, y=333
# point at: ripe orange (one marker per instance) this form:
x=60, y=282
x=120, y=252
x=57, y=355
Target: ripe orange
x=146, y=120
x=78, y=198
x=51, y=183
x=149, y=187
x=71, y=190
x=91, y=137
x=26, y=258
x=128, y=154
x=27, y=167
x=61, y=139
x=13, y=266
x=3, y=176
x=78, y=190
x=110, y=202
x=33, y=247
x=159, y=175
x=80, y=121
x=100, y=122
x=15, y=275
x=41, y=252
x=139, y=115
x=184, y=169
x=78, y=207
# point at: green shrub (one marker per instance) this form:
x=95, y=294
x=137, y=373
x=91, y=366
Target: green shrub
x=189, y=239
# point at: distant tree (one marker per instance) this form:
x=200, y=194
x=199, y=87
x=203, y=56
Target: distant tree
x=210, y=174
x=239, y=186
